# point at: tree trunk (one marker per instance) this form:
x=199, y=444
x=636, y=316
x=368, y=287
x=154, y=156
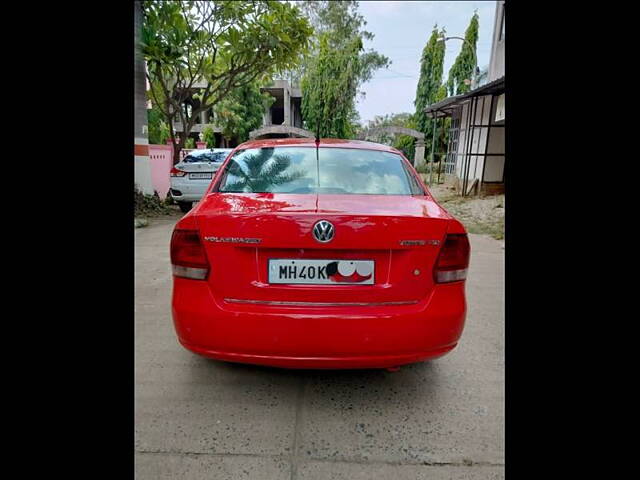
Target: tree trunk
x=172, y=135
x=177, y=148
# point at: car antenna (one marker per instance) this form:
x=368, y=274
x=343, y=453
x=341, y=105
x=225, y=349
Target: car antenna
x=320, y=117
x=318, y=153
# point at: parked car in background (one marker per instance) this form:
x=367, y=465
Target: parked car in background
x=327, y=256
x=191, y=177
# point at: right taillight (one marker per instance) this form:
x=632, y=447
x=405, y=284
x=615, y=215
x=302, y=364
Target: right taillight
x=188, y=258
x=453, y=260
x=174, y=172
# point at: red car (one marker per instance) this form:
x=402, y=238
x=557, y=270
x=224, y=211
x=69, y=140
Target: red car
x=319, y=255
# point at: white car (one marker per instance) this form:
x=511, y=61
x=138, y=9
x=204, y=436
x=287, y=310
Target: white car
x=191, y=177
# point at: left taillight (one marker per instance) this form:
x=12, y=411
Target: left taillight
x=174, y=172
x=188, y=258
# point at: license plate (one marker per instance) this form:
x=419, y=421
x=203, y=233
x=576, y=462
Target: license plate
x=200, y=175
x=321, y=272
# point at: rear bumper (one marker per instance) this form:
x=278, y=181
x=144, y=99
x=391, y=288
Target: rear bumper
x=186, y=197
x=191, y=190
x=362, y=361
x=318, y=337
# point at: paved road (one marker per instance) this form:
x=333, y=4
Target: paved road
x=198, y=418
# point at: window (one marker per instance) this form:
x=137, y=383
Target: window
x=295, y=170
x=452, y=150
x=502, y=22
x=217, y=157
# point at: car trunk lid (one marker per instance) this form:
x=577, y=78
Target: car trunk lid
x=242, y=232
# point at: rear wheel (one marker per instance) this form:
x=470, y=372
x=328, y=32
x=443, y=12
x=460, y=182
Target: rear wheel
x=185, y=206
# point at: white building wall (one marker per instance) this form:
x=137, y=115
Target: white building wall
x=142, y=174
x=462, y=139
x=142, y=168
x=485, y=115
x=496, y=140
x=478, y=142
x=494, y=168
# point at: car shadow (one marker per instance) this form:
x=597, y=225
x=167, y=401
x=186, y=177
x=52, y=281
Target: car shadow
x=357, y=388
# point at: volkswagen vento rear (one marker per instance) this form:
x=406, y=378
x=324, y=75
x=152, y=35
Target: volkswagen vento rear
x=328, y=255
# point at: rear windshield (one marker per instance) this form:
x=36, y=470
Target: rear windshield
x=206, y=157
x=295, y=170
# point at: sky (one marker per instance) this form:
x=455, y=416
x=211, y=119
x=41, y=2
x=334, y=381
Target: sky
x=401, y=30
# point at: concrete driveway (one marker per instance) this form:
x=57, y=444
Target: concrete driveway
x=197, y=418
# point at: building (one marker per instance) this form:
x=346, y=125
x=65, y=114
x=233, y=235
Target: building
x=287, y=108
x=475, y=160
x=282, y=119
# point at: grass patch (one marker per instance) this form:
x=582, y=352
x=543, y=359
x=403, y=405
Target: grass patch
x=480, y=215
x=496, y=229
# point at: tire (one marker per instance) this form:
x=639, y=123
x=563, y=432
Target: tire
x=185, y=206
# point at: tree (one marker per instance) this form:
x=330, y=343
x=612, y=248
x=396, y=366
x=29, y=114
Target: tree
x=209, y=136
x=330, y=86
x=393, y=119
x=465, y=64
x=429, y=83
x=199, y=51
x=338, y=64
x=158, y=128
x=407, y=143
x=262, y=172
x=378, y=122
x=342, y=22
x=242, y=111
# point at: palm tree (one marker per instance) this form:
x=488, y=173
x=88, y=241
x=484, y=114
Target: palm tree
x=261, y=172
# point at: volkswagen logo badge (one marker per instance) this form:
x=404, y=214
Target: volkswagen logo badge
x=323, y=231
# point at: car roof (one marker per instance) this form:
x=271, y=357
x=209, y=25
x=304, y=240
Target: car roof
x=310, y=142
